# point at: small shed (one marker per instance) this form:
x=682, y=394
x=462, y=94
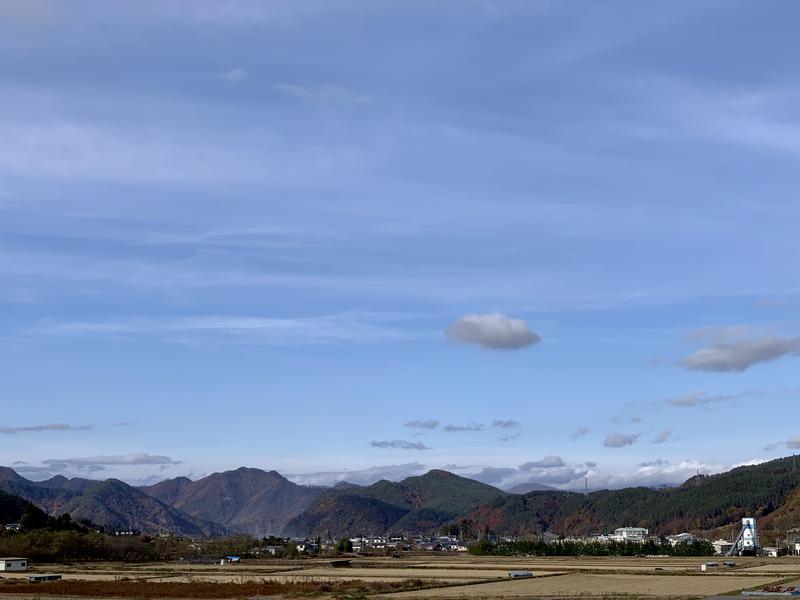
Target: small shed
x=13, y=564
x=44, y=578
x=519, y=574
x=340, y=563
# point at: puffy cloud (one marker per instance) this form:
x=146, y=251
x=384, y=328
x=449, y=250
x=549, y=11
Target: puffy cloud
x=460, y=428
x=422, y=424
x=703, y=398
x=732, y=352
x=398, y=445
x=662, y=436
x=46, y=427
x=493, y=331
x=545, y=463
x=236, y=75
x=619, y=440
x=505, y=423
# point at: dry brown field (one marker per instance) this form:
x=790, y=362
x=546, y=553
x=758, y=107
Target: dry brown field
x=429, y=577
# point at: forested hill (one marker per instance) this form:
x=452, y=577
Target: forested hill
x=768, y=491
x=422, y=503
x=12, y=508
x=246, y=500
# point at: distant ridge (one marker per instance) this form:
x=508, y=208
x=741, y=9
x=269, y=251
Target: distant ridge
x=525, y=488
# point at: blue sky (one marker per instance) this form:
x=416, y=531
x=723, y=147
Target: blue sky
x=528, y=241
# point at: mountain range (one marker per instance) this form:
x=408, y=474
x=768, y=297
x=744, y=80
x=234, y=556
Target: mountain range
x=264, y=502
x=110, y=503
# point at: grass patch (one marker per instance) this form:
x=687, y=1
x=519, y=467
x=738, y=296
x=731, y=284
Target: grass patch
x=165, y=589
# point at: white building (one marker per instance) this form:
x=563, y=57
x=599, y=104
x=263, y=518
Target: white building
x=681, y=538
x=722, y=546
x=13, y=564
x=630, y=534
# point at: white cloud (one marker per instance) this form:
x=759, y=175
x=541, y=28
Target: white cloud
x=737, y=348
x=493, y=331
x=620, y=440
x=236, y=75
x=742, y=354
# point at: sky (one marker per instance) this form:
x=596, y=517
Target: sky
x=550, y=241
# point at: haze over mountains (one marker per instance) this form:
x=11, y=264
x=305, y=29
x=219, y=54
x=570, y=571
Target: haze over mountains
x=264, y=502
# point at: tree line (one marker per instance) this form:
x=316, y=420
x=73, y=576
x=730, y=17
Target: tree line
x=590, y=548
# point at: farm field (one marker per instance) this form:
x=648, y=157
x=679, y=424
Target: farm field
x=429, y=577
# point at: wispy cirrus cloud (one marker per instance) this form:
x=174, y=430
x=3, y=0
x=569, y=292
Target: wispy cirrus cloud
x=701, y=398
x=236, y=75
x=41, y=428
x=492, y=331
x=302, y=331
x=580, y=432
x=322, y=93
x=662, y=436
x=422, y=424
x=398, y=445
